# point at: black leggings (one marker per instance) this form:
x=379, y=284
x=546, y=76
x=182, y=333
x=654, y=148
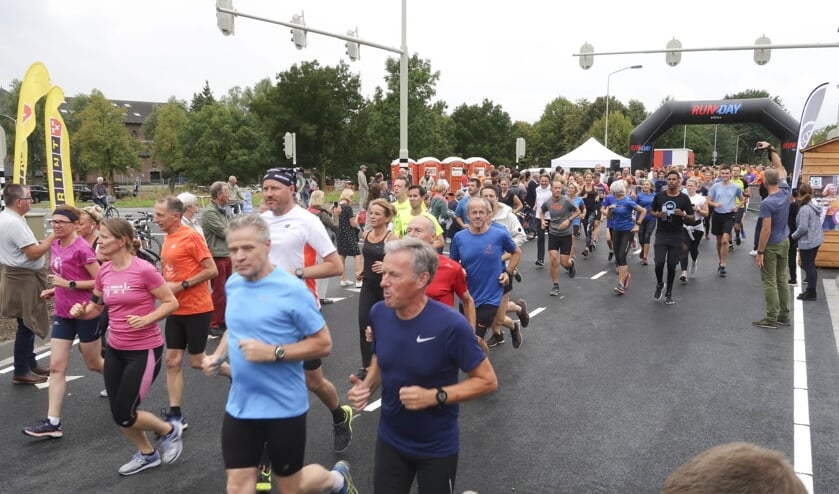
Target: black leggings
x=668, y=250
x=792, y=259
x=129, y=375
x=692, y=242
x=620, y=244
x=808, y=264
x=370, y=293
x=395, y=472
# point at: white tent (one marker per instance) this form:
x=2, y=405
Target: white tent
x=587, y=155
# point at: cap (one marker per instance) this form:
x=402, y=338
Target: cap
x=283, y=175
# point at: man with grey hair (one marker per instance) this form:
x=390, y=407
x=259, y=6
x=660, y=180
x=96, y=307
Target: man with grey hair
x=236, y=198
x=100, y=193
x=773, y=243
x=214, y=221
x=418, y=435
x=22, y=279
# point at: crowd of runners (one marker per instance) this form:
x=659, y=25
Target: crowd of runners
x=436, y=266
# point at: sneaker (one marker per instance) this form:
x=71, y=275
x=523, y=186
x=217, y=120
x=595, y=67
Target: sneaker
x=611, y=255
x=263, y=478
x=346, y=283
x=657, y=293
x=572, y=269
x=554, y=291
x=140, y=462
x=585, y=252
x=683, y=277
x=792, y=282
x=358, y=284
x=743, y=234
x=517, y=275
x=668, y=299
x=169, y=417
x=515, y=334
x=626, y=281
x=495, y=340
x=753, y=252
x=693, y=267
x=737, y=240
x=620, y=289
x=343, y=469
x=172, y=444
x=44, y=429
x=593, y=246
x=524, y=315
x=216, y=332
x=765, y=323
x=103, y=393
x=730, y=246
x=342, y=432
x=540, y=262
x=644, y=261
x=721, y=271
x=784, y=322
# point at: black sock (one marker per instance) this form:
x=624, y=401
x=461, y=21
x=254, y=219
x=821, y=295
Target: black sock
x=338, y=415
x=150, y=454
x=176, y=411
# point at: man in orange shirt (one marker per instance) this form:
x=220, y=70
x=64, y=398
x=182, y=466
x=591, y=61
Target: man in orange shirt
x=186, y=263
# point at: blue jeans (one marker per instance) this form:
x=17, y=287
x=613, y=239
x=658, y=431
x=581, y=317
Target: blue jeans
x=24, y=350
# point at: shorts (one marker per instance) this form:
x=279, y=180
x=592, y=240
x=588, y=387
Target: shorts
x=242, y=442
x=484, y=318
x=562, y=243
x=64, y=328
x=188, y=331
x=645, y=232
x=395, y=471
x=738, y=215
x=311, y=365
x=129, y=375
x=722, y=223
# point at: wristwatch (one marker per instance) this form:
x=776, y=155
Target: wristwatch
x=299, y=273
x=442, y=396
x=760, y=252
x=279, y=352
x=72, y=285
x=184, y=284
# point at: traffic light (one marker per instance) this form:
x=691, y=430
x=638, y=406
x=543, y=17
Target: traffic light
x=288, y=144
x=353, y=48
x=224, y=21
x=298, y=36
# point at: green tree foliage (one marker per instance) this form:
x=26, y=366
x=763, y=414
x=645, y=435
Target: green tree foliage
x=205, y=97
x=555, y=133
x=620, y=127
x=163, y=128
x=102, y=141
x=484, y=130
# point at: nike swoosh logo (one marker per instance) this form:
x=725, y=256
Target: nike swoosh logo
x=420, y=339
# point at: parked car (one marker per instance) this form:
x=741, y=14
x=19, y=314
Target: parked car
x=39, y=193
x=82, y=192
x=123, y=191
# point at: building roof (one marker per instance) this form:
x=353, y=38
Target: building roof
x=136, y=112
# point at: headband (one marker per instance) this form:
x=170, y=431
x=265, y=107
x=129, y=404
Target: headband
x=283, y=175
x=66, y=212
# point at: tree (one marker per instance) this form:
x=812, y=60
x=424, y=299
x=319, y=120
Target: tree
x=205, y=97
x=484, y=130
x=102, y=142
x=163, y=128
x=555, y=133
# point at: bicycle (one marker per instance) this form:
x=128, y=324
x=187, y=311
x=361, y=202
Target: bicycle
x=527, y=220
x=111, y=212
x=150, y=246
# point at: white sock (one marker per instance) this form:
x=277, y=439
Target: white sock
x=339, y=481
x=54, y=420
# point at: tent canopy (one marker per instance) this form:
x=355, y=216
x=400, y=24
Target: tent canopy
x=587, y=155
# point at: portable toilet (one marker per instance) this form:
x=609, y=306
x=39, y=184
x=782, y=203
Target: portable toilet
x=455, y=168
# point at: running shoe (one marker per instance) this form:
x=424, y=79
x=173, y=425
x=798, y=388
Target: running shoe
x=626, y=281
x=644, y=261
x=140, y=462
x=730, y=247
x=517, y=275
x=658, y=289
x=611, y=255
x=169, y=417
x=343, y=469
x=358, y=284
x=572, y=269
x=668, y=299
x=495, y=340
x=540, y=262
x=593, y=246
x=524, y=315
x=743, y=234
x=693, y=267
x=172, y=444
x=346, y=283
x=792, y=282
x=585, y=252
x=44, y=429
x=765, y=323
x=620, y=289
x=753, y=252
x=263, y=478
x=361, y=373
x=516, y=335
x=554, y=291
x=737, y=240
x=342, y=432
x=683, y=277
x=721, y=271
x=103, y=393
x=784, y=322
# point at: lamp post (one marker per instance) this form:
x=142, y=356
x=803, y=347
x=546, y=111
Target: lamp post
x=737, y=149
x=608, y=80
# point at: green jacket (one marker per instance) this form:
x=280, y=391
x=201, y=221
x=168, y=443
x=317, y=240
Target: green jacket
x=214, y=221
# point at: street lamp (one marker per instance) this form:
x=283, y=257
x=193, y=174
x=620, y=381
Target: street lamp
x=737, y=149
x=608, y=79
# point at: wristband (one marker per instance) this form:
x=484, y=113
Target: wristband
x=96, y=299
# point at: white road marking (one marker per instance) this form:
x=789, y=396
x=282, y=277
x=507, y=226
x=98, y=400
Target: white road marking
x=373, y=406
x=598, y=275
x=67, y=379
x=536, y=312
x=802, y=451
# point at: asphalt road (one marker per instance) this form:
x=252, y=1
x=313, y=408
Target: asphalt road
x=607, y=394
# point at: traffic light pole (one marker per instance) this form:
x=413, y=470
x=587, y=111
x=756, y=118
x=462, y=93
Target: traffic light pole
x=403, y=64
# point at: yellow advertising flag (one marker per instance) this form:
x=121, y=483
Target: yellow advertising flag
x=58, y=151
x=35, y=85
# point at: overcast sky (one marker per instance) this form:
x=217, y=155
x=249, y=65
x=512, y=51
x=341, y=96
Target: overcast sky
x=517, y=54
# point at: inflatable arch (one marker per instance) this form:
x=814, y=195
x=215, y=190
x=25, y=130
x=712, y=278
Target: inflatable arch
x=759, y=110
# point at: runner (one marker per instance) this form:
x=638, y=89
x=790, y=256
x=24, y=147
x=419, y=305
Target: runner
x=624, y=226
x=693, y=233
x=645, y=230
x=672, y=208
x=591, y=221
x=557, y=214
x=723, y=196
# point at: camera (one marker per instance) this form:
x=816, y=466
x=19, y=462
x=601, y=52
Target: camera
x=334, y=204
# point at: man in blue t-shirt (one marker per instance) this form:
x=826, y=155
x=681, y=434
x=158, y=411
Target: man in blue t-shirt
x=420, y=346
x=723, y=198
x=479, y=250
x=267, y=344
x=773, y=243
